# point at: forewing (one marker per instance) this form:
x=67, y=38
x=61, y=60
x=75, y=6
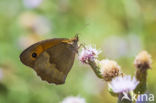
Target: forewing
x=38, y=48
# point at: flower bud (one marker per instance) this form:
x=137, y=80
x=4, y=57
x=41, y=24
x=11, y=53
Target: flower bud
x=143, y=63
x=143, y=60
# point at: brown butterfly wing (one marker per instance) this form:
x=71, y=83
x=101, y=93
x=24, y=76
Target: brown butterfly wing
x=39, y=47
x=54, y=64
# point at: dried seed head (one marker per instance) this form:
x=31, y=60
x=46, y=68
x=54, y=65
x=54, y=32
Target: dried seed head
x=109, y=69
x=143, y=60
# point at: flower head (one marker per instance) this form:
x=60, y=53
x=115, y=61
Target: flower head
x=72, y=99
x=109, y=69
x=143, y=60
x=88, y=53
x=123, y=84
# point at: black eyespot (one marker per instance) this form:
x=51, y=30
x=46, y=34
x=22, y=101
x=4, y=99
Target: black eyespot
x=34, y=55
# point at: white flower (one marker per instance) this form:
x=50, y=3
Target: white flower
x=109, y=69
x=72, y=99
x=88, y=53
x=32, y=3
x=123, y=84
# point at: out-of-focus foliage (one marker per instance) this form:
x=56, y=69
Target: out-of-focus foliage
x=121, y=28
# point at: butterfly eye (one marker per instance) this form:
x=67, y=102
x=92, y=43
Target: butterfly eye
x=34, y=55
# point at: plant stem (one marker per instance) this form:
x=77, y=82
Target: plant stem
x=95, y=68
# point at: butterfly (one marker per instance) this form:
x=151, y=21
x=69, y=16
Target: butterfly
x=51, y=59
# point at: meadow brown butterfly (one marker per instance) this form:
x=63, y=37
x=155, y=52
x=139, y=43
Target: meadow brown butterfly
x=51, y=59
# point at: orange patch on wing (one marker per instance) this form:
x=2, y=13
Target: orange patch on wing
x=42, y=47
x=49, y=44
x=39, y=49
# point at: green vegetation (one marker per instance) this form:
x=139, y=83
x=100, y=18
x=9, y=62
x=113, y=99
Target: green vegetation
x=121, y=28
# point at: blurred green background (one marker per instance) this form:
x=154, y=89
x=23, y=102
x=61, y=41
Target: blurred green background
x=120, y=28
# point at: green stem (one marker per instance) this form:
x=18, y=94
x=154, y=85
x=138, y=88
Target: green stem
x=95, y=68
x=141, y=76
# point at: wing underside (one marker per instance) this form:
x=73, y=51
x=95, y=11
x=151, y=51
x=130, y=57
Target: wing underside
x=54, y=64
